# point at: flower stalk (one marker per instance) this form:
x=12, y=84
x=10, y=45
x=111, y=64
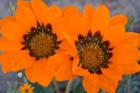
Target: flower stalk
x=69, y=86
x=12, y=8
x=56, y=86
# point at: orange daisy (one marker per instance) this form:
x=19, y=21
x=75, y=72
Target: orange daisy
x=26, y=88
x=32, y=41
x=102, y=51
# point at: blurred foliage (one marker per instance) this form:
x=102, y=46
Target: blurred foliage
x=131, y=20
x=39, y=89
x=13, y=87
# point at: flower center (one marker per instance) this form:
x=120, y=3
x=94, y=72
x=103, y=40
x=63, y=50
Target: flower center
x=94, y=53
x=26, y=91
x=41, y=42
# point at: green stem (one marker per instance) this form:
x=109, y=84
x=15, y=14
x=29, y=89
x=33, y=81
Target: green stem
x=56, y=86
x=69, y=86
x=11, y=8
x=129, y=84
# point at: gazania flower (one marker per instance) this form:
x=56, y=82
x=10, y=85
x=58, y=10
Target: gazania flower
x=32, y=41
x=26, y=88
x=100, y=48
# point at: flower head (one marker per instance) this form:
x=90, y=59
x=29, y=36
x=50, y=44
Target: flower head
x=100, y=48
x=32, y=41
x=26, y=88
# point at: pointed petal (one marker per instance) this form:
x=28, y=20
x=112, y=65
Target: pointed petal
x=109, y=85
x=113, y=72
x=23, y=3
x=15, y=61
x=119, y=19
x=40, y=9
x=7, y=19
x=88, y=13
x=21, y=61
x=39, y=72
x=29, y=19
x=113, y=33
x=65, y=70
x=131, y=68
x=91, y=84
x=101, y=18
x=70, y=11
x=13, y=31
x=4, y=45
x=54, y=12
x=67, y=48
x=132, y=38
x=125, y=54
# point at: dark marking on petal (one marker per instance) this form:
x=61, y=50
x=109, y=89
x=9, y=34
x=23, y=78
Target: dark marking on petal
x=80, y=37
x=24, y=48
x=71, y=58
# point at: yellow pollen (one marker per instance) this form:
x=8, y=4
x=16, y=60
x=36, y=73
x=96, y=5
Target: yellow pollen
x=92, y=57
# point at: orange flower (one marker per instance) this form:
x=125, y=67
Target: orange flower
x=100, y=47
x=26, y=88
x=32, y=41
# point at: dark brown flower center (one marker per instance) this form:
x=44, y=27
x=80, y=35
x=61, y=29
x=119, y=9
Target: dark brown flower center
x=94, y=53
x=41, y=42
x=26, y=91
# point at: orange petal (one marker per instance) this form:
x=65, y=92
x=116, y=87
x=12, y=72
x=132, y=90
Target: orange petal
x=54, y=18
x=132, y=38
x=4, y=45
x=88, y=13
x=72, y=28
x=6, y=55
x=23, y=3
x=119, y=19
x=21, y=61
x=108, y=84
x=101, y=18
x=65, y=70
x=5, y=66
x=114, y=35
x=39, y=72
x=40, y=9
x=4, y=60
x=67, y=49
x=131, y=68
x=29, y=19
x=113, y=72
x=70, y=11
x=16, y=60
x=7, y=19
x=54, y=61
x=78, y=27
x=57, y=28
x=91, y=84
x=131, y=35
x=125, y=54
x=54, y=12
x=13, y=31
